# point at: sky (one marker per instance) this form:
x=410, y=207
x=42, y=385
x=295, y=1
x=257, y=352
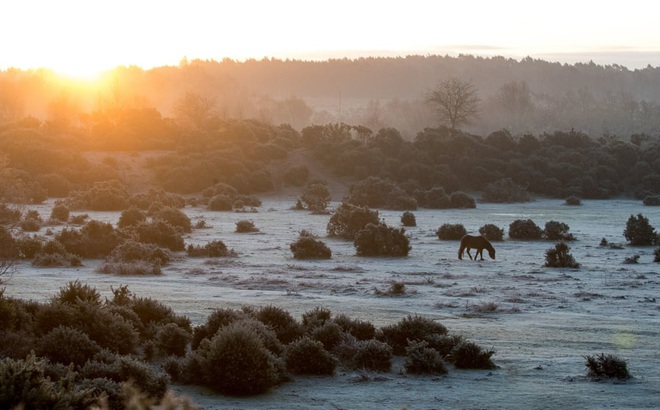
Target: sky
x=84, y=37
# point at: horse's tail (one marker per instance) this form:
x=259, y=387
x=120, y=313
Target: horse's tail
x=461, y=249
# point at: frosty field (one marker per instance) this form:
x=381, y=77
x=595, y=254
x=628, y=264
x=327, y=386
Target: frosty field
x=540, y=321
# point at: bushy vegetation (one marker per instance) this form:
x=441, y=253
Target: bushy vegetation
x=309, y=247
x=505, y=191
x=469, y=355
x=492, y=232
x=573, y=201
x=557, y=231
x=375, y=192
x=408, y=219
x=213, y=249
x=451, y=232
x=381, y=240
x=652, y=200
x=349, y=219
x=607, y=366
x=525, y=229
x=421, y=359
x=308, y=356
x=639, y=231
x=246, y=226
x=560, y=257
x=316, y=197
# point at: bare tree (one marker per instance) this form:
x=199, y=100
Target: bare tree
x=194, y=109
x=457, y=101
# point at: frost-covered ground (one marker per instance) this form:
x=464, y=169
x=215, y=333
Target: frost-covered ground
x=545, y=320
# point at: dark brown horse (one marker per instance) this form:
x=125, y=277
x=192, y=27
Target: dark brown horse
x=475, y=242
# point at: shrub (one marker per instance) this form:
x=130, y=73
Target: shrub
x=76, y=293
x=381, y=240
x=102, y=196
x=131, y=217
x=174, y=217
x=435, y=198
x=316, y=196
x=349, y=219
x=505, y=191
x=573, y=201
x=316, y=317
x=411, y=328
x=28, y=246
x=221, y=203
x=360, y=329
x=132, y=251
x=461, y=200
x=245, y=226
x=152, y=382
x=469, y=355
x=238, y=363
x=144, y=200
x=607, y=366
x=59, y=213
x=373, y=355
x=560, y=257
x=217, y=319
x=94, y=240
x=160, y=233
x=172, y=340
x=307, y=356
x=283, y=324
x=309, y=247
x=31, y=224
x=451, y=232
x=656, y=255
x=421, y=359
x=67, y=345
x=375, y=192
x=213, y=249
x=557, y=231
x=492, y=232
x=639, y=231
x=408, y=219
x=137, y=268
x=652, y=200
x=525, y=230
x=330, y=334
x=152, y=312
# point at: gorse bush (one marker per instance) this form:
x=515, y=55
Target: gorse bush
x=131, y=217
x=573, y=201
x=492, y=232
x=557, y=231
x=246, y=226
x=505, y=191
x=174, y=217
x=421, y=359
x=132, y=251
x=349, y=219
x=560, y=257
x=408, y=219
x=316, y=197
x=213, y=249
x=283, y=324
x=373, y=355
x=160, y=233
x=60, y=213
x=469, y=355
x=639, y=231
x=461, y=200
x=381, y=240
x=309, y=247
x=307, y=356
x=411, y=328
x=67, y=345
x=607, y=366
x=451, y=231
x=375, y=192
x=525, y=230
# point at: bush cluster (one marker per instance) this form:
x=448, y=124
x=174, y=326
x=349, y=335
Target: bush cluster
x=349, y=219
x=639, y=231
x=408, y=219
x=316, y=197
x=525, y=230
x=560, y=257
x=381, y=240
x=492, y=232
x=451, y=232
x=213, y=249
x=309, y=247
x=375, y=192
x=607, y=366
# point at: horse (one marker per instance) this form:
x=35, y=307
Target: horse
x=477, y=242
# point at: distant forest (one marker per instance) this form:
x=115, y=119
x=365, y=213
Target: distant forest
x=254, y=127
x=521, y=96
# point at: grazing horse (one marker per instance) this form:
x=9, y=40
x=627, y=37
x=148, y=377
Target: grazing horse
x=477, y=242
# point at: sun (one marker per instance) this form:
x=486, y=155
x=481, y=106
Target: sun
x=86, y=71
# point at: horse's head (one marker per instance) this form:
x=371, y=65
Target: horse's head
x=491, y=253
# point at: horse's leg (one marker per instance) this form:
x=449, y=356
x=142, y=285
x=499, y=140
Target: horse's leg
x=468, y=252
x=480, y=252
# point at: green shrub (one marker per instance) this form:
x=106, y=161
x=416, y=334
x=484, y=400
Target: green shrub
x=213, y=249
x=656, y=255
x=451, y=232
x=238, y=363
x=94, y=240
x=172, y=340
x=150, y=381
x=381, y=240
x=316, y=196
x=607, y=366
x=76, y=293
x=469, y=355
x=373, y=355
x=408, y=219
x=557, y=231
x=330, y=334
x=160, y=233
x=174, y=217
x=360, y=329
x=375, y=192
x=59, y=213
x=136, y=268
x=102, y=196
x=435, y=198
x=144, y=200
x=573, y=201
x=560, y=257
x=245, y=226
x=316, y=317
x=639, y=231
x=421, y=359
x=309, y=247
x=525, y=230
x=131, y=251
x=492, y=232
x=411, y=328
x=283, y=324
x=153, y=312
x=217, y=319
x=46, y=260
x=131, y=217
x=28, y=246
x=461, y=200
x=349, y=219
x=651, y=200
x=307, y=356
x=30, y=224
x=67, y=345
x=221, y=203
